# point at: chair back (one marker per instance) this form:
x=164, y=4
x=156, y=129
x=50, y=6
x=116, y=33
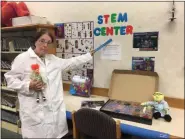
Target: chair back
x=95, y=124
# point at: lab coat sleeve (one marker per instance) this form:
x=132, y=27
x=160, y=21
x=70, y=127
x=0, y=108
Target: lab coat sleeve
x=14, y=77
x=75, y=61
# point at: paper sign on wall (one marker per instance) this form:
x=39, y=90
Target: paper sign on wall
x=111, y=52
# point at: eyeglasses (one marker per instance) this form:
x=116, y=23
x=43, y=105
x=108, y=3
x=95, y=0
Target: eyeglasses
x=44, y=42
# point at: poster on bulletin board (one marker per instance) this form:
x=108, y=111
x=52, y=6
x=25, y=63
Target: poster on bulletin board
x=76, y=39
x=143, y=63
x=145, y=41
x=59, y=31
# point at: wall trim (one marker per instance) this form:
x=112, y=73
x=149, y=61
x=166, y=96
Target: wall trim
x=172, y=102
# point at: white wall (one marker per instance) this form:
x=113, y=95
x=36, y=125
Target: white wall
x=144, y=16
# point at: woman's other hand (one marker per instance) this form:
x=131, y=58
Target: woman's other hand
x=36, y=85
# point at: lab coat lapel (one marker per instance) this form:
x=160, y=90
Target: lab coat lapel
x=47, y=60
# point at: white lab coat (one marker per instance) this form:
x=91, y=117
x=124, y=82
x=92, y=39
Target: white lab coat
x=46, y=119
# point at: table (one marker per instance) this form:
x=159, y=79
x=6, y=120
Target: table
x=158, y=129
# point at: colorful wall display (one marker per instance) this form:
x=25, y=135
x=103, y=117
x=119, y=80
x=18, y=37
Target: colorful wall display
x=114, y=29
x=77, y=39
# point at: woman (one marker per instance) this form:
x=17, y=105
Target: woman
x=46, y=119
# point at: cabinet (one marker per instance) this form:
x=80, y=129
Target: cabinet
x=15, y=40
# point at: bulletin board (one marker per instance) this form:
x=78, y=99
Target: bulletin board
x=75, y=39
x=162, y=51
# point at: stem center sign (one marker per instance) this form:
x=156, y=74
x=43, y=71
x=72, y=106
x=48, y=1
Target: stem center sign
x=113, y=30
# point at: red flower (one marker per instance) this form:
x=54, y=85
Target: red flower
x=35, y=67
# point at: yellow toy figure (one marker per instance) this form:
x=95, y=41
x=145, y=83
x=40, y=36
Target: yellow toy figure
x=161, y=108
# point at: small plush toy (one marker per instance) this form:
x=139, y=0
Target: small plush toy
x=36, y=76
x=161, y=108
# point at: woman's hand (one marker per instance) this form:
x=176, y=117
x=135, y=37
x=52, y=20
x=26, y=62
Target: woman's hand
x=36, y=85
x=92, y=52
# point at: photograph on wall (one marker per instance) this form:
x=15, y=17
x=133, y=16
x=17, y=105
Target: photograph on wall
x=146, y=41
x=59, y=31
x=143, y=63
x=59, y=45
x=67, y=30
x=78, y=39
x=82, y=30
x=78, y=46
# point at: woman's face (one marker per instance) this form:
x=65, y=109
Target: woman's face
x=42, y=45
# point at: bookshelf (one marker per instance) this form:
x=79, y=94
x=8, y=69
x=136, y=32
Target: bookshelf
x=8, y=108
x=3, y=70
x=16, y=52
x=6, y=89
x=13, y=41
x=10, y=127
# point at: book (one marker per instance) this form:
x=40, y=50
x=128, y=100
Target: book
x=92, y=104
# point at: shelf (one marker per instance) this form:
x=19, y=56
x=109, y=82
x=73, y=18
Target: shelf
x=27, y=27
x=5, y=88
x=10, y=127
x=8, y=108
x=3, y=70
x=13, y=52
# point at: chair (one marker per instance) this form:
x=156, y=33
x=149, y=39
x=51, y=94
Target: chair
x=95, y=124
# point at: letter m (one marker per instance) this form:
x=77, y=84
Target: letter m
x=122, y=17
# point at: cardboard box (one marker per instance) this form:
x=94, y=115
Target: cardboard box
x=128, y=89
x=135, y=86
x=27, y=20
